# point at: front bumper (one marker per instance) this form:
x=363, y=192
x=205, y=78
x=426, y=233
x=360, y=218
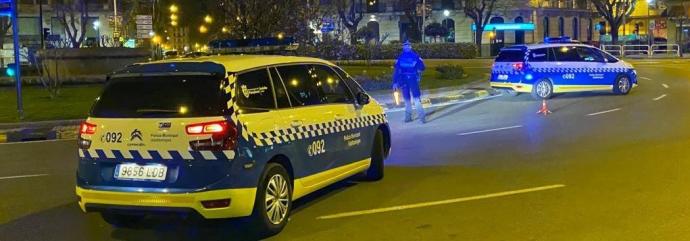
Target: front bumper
x=519, y=87
x=241, y=201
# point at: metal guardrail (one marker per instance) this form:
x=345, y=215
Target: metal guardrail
x=616, y=50
x=665, y=48
x=638, y=49
x=641, y=50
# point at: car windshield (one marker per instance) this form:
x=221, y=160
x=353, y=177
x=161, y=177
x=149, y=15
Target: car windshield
x=160, y=96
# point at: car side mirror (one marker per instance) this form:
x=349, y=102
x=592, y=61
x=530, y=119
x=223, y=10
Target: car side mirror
x=362, y=98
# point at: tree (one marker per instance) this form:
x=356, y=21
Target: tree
x=409, y=8
x=435, y=30
x=74, y=17
x=480, y=12
x=351, y=14
x=613, y=12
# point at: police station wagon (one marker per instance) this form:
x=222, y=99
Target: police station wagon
x=225, y=136
x=546, y=69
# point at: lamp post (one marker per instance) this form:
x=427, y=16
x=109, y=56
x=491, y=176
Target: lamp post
x=650, y=33
x=97, y=27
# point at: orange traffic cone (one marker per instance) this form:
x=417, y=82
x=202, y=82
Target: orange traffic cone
x=544, y=109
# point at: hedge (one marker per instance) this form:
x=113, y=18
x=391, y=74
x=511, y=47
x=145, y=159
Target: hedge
x=338, y=50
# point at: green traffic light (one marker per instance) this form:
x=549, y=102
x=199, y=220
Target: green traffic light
x=10, y=72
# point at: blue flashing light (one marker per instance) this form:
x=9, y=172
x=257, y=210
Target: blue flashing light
x=562, y=39
x=506, y=26
x=528, y=77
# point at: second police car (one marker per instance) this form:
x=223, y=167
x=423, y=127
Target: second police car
x=560, y=66
x=225, y=136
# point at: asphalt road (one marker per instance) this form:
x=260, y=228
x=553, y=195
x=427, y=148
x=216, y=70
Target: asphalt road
x=601, y=167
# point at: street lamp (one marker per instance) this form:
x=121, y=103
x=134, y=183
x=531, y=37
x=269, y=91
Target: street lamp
x=97, y=27
x=224, y=29
x=173, y=8
x=446, y=13
x=203, y=29
x=208, y=19
x=650, y=33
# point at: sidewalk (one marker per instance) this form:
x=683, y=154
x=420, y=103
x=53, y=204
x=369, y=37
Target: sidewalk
x=473, y=90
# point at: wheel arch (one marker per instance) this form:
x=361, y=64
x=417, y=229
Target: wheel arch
x=284, y=161
x=385, y=130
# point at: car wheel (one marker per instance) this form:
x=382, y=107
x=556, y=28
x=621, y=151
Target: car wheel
x=122, y=220
x=542, y=89
x=273, y=201
x=375, y=171
x=622, y=86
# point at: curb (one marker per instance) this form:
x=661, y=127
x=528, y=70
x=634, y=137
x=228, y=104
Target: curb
x=39, y=134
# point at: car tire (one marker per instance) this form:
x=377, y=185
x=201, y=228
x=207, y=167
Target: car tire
x=122, y=220
x=276, y=182
x=622, y=86
x=375, y=171
x=542, y=89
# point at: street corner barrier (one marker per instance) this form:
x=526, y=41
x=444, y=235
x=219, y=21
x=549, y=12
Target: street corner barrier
x=462, y=96
x=39, y=134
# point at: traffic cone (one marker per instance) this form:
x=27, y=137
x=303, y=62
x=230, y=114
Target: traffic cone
x=544, y=109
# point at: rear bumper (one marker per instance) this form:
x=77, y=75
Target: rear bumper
x=241, y=201
x=519, y=87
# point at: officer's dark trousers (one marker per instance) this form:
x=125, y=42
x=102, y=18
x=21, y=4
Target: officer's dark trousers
x=412, y=95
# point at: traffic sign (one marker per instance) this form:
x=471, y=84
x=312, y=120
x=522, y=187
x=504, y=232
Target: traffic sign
x=147, y=27
x=144, y=21
x=144, y=17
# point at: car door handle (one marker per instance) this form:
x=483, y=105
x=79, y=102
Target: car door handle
x=296, y=123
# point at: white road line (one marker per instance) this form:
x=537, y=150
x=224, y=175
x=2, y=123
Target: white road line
x=665, y=86
x=23, y=176
x=399, y=109
x=442, y=202
x=660, y=97
x=489, y=130
x=645, y=78
x=603, y=112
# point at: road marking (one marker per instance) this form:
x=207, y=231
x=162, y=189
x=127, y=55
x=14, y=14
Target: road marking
x=489, y=130
x=660, y=97
x=645, y=78
x=603, y=112
x=23, y=176
x=665, y=86
x=399, y=109
x=442, y=202
x=41, y=141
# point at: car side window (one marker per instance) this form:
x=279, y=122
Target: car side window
x=567, y=54
x=609, y=57
x=589, y=55
x=349, y=81
x=300, y=85
x=539, y=55
x=282, y=99
x=332, y=88
x=255, y=91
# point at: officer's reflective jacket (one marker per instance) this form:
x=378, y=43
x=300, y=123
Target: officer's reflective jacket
x=407, y=68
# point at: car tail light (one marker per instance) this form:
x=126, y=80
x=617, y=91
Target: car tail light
x=223, y=136
x=87, y=128
x=518, y=66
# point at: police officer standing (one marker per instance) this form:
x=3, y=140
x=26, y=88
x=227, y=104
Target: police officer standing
x=407, y=73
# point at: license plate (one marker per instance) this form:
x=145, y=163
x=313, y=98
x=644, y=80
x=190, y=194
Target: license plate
x=132, y=171
x=502, y=77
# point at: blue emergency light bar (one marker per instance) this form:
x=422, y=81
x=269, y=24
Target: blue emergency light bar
x=6, y=8
x=506, y=26
x=562, y=39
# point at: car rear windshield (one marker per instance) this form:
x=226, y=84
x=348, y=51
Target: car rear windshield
x=511, y=55
x=160, y=96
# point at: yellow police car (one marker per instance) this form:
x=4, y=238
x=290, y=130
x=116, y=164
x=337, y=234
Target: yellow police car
x=225, y=136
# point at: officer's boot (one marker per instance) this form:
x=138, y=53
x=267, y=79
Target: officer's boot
x=420, y=110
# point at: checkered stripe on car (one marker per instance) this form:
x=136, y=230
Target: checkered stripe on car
x=314, y=130
x=143, y=155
